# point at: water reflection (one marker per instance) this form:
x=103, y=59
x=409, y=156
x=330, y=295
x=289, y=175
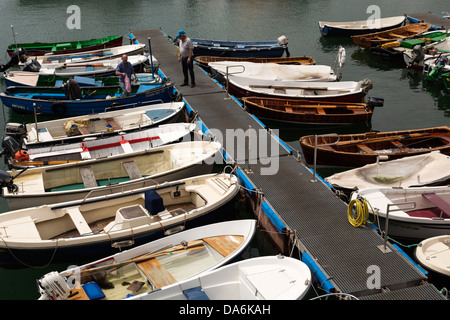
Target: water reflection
x=364, y=57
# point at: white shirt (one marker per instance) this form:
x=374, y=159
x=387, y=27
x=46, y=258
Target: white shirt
x=185, y=46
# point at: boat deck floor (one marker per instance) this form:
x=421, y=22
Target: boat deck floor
x=310, y=209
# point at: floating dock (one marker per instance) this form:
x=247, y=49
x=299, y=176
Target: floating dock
x=300, y=213
x=436, y=21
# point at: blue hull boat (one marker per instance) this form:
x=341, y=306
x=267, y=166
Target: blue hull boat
x=93, y=99
x=241, y=49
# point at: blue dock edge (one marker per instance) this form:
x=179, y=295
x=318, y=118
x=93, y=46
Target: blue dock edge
x=318, y=273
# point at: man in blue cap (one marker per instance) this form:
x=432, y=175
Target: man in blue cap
x=185, y=56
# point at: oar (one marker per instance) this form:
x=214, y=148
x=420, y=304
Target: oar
x=192, y=245
x=383, y=139
x=43, y=163
x=83, y=65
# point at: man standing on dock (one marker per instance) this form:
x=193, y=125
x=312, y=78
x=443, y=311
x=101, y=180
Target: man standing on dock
x=185, y=56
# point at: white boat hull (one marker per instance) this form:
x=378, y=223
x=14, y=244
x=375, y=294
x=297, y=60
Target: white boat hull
x=235, y=235
x=166, y=163
x=261, y=278
x=77, y=230
x=412, y=212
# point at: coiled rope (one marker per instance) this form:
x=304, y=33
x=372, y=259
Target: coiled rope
x=358, y=212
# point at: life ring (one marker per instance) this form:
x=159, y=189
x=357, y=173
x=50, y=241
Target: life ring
x=59, y=108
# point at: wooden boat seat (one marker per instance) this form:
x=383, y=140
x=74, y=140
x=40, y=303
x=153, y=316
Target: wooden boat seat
x=83, y=130
x=439, y=202
x=132, y=170
x=225, y=245
x=88, y=177
x=365, y=148
x=79, y=221
x=156, y=273
x=400, y=145
x=115, y=126
x=320, y=111
x=20, y=228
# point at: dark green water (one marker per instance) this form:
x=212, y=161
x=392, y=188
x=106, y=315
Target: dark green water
x=408, y=103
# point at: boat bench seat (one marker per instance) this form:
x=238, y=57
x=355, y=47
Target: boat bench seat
x=79, y=221
x=440, y=203
x=22, y=228
x=114, y=124
x=400, y=145
x=83, y=130
x=156, y=273
x=365, y=148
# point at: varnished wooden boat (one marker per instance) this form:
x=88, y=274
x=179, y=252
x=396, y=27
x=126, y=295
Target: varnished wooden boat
x=310, y=112
x=303, y=60
x=356, y=150
x=379, y=38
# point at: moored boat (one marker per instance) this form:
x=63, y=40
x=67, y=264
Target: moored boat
x=63, y=101
x=414, y=213
x=351, y=28
x=87, y=56
x=153, y=265
x=273, y=71
x=99, y=68
x=434, y=255
x=83, y=179
x=356, y=150
x=34, y=79
x=41, y=48
x=310, y=112
x=75, y=129
x=342, y=91
x=400, y=33
x=258, y=49
x=80, y=230
x=429, y=169
x=97, y=148
x=261, y=278
x=302, y=60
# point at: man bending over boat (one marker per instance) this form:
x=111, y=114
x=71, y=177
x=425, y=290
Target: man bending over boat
x=124, y=70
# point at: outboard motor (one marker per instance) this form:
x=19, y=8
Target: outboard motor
x=375, y=102
x=32, y=65
x=52, y=286
x=12, y=149
x=283, y=41
x=19, y=55
x=436, y=73
x=16, y=130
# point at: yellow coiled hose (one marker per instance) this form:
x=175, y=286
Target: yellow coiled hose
x=358, y=212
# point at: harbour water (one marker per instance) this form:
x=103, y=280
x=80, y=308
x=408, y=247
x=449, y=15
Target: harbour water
x=408, y=103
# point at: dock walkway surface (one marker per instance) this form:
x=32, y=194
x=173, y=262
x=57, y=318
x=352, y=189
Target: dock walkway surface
x=436, y=21
x=344, y=258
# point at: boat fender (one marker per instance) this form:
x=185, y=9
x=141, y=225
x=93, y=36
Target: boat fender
x=341, y=57
x=59, y=108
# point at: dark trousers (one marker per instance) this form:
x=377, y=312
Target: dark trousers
x=188, y=69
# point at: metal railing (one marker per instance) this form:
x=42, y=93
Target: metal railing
x=227, y=73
